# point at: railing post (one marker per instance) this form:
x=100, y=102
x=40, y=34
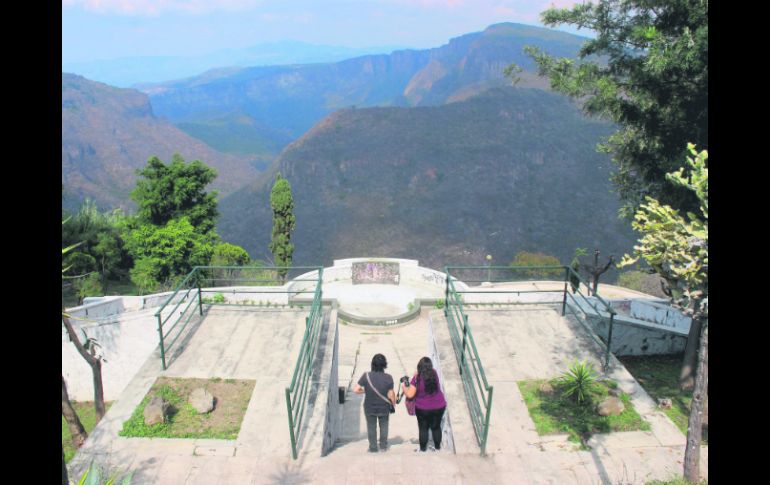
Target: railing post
x=200, y=300
x=566, y=280
x=446, y=293
x=486, y=423
x=291, y=425
x=465, y=333
x=609, y=343
x=162, y=349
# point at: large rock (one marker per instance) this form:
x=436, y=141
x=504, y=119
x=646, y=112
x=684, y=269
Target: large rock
x=611, y=406
x=201, y=400
x=156, y=411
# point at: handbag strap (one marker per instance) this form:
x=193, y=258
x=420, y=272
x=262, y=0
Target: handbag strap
x=376, y=391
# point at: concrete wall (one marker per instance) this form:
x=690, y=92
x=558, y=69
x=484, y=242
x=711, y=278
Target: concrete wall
x=634, y=336
x=125, y=344
x=447, y=441
x=333, y=420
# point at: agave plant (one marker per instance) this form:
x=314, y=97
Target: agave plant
x=579, y=380
x=93, y=476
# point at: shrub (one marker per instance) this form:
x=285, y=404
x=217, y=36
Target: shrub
x=524, y=258
x=578, y=380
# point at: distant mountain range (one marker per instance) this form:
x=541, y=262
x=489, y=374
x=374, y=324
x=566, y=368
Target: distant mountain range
x=272, y=105
x=504, y=171
x=126, y=72
x=108, y=133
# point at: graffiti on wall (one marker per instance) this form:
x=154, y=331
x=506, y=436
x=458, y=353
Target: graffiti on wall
x=375, y=272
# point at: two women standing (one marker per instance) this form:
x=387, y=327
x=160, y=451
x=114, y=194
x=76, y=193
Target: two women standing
x=430, y=403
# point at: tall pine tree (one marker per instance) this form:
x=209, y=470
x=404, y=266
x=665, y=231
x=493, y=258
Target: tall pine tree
x=282, y=203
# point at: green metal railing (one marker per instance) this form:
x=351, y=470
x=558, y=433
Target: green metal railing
x=601, y=309
x=241, y=280
x=296, y=393
x=478, y=392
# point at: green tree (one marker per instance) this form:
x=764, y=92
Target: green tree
x=164, y=254
x=647, y=70
x=226, y=254
x=165, y=192
x=282, y=203
x=101, y=246
x=677, y=249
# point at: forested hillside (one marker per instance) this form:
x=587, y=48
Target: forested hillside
x=505, y=171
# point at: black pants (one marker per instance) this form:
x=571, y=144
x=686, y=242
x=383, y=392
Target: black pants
x=371, y=430
x=429, y=420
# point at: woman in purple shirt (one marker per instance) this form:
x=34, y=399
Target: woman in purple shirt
x=430, y=403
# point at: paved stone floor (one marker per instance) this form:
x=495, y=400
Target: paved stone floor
x=523, y=343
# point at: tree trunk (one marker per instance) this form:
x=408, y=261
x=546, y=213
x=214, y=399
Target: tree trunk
x=96, y=368
x=98, y=389
x=687, y=375
x=64, y=478
x=77, y=430
x=694, y=428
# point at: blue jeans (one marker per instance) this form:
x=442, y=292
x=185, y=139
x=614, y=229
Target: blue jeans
x=371, y=429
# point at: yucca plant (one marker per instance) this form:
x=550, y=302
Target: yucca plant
x=93, y=476
x=579, y=380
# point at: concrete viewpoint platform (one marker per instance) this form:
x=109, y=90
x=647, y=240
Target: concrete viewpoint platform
x=515, y=343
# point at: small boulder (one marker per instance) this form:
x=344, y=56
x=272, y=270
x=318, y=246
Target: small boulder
x=546, y=388
x=156, y=411
x=611, y=406
x=614, y=392
x=664, y=403
x=201, y=400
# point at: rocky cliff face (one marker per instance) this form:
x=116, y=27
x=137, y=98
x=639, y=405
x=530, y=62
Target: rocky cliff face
x=108, y=133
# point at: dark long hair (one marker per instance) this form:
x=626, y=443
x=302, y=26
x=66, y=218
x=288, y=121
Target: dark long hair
x=379, y=363
x=428, y=375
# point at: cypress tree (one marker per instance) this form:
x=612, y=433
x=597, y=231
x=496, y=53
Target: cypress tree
x=282, y=203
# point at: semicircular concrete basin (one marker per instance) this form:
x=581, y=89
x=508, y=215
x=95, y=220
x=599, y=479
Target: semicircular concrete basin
x=376, y=300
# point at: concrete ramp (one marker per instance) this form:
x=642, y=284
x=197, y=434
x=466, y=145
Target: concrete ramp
x=403, y=347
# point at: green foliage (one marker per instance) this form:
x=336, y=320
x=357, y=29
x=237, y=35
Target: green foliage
x=659, y=376
x=93, y=476
x=641, y=281
x=87, y=414
x=226, y=254
x=80, y=263
x=651, y=77
x=282, y=204
x=578, y=381
x=675, y=247
x=163, y=254
x=525, y=258
x=99, y=235
x=89, y=285
x=440, y=304
x=183, y=421
x=555, y=413
x=165, y=192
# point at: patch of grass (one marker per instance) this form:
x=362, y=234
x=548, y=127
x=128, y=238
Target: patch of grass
x=87, y=414
x=677, y=481
x=223, y=422
x=554, y=413
x=659, y=376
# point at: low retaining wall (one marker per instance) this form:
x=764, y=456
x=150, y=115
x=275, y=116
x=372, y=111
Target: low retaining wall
x=333, y=420
x=447, y=441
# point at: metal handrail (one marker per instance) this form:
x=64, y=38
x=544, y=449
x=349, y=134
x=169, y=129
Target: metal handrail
x=480, y=411
x=297, y=390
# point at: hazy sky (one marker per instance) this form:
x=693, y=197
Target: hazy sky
x=108, y=29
